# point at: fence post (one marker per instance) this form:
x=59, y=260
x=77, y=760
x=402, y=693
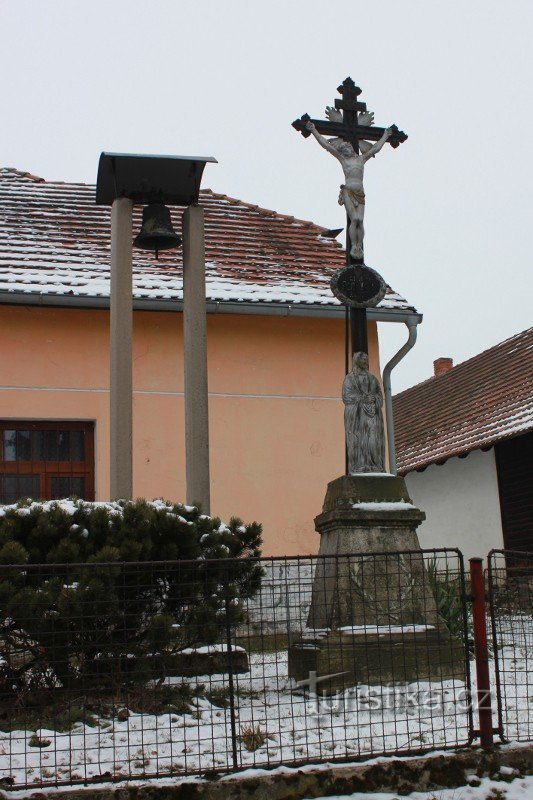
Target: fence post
x=481, y=650
x=495, y=644
x=231, y=684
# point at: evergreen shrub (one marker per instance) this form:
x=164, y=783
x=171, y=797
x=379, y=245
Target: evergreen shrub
x=105, y=594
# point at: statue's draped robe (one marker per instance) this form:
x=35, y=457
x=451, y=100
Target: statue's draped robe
x=363, y=422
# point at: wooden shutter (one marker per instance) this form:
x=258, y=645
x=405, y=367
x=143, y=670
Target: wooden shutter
x=514, y=461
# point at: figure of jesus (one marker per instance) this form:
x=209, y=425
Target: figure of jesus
x=352, y=195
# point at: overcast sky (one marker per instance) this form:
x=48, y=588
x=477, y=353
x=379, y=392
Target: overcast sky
x=449, y=213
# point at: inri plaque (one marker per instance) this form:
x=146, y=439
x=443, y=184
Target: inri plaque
x=358, y=286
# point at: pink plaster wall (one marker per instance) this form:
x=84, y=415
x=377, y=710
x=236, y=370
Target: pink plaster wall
x=276, y=419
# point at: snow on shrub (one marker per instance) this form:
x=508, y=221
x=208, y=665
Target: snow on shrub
x=102, y=594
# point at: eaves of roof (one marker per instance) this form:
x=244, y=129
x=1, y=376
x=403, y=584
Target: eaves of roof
x=379, y=314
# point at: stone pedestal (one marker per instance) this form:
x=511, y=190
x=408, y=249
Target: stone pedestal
x=373, y=617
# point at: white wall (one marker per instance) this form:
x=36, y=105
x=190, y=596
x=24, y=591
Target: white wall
x=461, y=502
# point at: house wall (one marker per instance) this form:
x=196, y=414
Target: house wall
x=461, y=501
x=276, y=419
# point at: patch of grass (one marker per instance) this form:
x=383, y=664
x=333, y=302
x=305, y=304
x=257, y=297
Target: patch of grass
x=175, y=699
x=19, y=720
x=59, y=716
x=248, y=693
x=142, y=762
x=219, y=697
x=65, y=721
x=252, y=738
x=36, y=741
x=60, y=711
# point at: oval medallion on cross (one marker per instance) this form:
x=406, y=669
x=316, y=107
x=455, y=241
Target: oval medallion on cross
x=358, y=286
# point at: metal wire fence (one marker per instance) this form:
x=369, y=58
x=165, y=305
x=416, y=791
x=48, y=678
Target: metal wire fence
x=510, y=586
x=122, y=670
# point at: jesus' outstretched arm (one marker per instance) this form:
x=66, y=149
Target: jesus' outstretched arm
x=320, y=139
x=371, y=151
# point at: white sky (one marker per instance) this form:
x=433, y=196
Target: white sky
x=448, y=212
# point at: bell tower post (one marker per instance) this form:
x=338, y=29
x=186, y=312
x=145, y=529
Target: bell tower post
x=195, y=359
x=120, y=384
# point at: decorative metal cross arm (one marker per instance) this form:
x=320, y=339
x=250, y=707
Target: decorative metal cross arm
x=351, y=121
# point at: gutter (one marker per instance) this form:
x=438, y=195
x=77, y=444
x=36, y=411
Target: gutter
x=407, y=316
x=411, y=323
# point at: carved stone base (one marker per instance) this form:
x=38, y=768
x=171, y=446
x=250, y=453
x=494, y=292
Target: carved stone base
x=379, y=658
x=373, y=616
x=373, y=515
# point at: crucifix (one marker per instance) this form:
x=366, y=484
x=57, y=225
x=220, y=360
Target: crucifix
x=351, y=126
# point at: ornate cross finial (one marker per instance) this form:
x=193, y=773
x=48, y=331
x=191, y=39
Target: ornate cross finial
x=348, y=124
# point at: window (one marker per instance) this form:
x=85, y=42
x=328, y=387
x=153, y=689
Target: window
x=46, y=460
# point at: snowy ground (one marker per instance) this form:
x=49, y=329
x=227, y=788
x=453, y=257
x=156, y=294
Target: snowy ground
x=515, y=633
x=279, y=725
x=519, y=789
x=275, y=723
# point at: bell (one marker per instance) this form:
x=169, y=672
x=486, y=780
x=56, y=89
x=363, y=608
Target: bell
x=156, y=231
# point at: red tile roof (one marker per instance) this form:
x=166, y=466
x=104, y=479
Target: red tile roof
x=475, y=404
x=55, y=241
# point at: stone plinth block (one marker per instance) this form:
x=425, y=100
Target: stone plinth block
x=390, y=655
x=373, y=615
x=373, y=515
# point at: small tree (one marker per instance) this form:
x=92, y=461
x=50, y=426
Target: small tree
x=99, y=594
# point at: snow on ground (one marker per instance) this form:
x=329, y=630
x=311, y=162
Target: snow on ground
x=275, y=724
x=519, y=789
x=515, y=634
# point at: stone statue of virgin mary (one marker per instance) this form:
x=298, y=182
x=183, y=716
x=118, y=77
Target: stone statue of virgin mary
x=363, y=419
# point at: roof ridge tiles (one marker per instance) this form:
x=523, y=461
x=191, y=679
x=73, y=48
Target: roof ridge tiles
x=46, y=181
x=452, y=373
x=255, y=206
x=232, y=200
x=22, y=174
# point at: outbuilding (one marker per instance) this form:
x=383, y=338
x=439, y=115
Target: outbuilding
x=464, y=441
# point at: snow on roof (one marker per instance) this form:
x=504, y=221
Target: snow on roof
x=55, y=241
x=475, y=404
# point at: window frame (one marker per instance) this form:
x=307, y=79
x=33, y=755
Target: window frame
x=51, y=469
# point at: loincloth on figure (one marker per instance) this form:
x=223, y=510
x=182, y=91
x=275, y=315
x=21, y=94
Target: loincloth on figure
x=358, y=198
